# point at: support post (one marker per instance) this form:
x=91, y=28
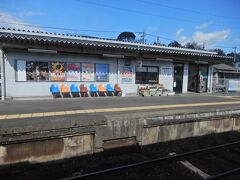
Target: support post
x=2, y=75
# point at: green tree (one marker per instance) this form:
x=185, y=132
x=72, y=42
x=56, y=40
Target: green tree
x=193, y=45
x=232, y=55
x=126, y=36
x=174, y=44
x=220, y=52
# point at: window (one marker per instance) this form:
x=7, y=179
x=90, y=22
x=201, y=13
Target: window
x=37, y=71
x=147, y=75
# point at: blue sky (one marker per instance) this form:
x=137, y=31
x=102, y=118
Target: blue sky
x=214, y=22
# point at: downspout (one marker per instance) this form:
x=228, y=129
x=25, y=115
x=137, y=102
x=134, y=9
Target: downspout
x=2, y=71
x=118, y=70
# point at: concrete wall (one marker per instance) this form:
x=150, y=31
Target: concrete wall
x=170, y=127
x=92, y=135
x=47, y=150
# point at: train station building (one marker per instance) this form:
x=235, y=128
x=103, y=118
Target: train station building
x=31, y=61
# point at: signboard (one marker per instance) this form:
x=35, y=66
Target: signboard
x=21, y=70
x=73, y=73
x=57, y=71
x=102, y=72
x=233, y=85
x=126, y=74
x=87, y=72
x=166, y=71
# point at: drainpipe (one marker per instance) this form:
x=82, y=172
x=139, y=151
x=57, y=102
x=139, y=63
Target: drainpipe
x=2, y=74
x=118, y=70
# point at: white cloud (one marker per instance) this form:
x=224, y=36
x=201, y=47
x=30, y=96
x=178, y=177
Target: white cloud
x=179, y=32
x=7, y=20
x=203, y=26
x=210, y=38
x=183, y=40
x=31, y=14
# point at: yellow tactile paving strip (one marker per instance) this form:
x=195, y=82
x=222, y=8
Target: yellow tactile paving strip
x=122, y=109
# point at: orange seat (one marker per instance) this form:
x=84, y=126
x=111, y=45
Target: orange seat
x=102, y=88
x=64, y=88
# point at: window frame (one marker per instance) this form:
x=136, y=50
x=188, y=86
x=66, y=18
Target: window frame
x=146, y=76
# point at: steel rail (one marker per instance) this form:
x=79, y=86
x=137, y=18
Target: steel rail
x=147, y=162
x=224, y=174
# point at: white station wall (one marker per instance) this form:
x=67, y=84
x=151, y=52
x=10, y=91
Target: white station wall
x=16, y=88
x=185, y=78
x=41, y=88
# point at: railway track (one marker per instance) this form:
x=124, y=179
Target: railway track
x=215, y=156
x=176, y=158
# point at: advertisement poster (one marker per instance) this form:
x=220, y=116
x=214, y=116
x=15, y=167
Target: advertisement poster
x=73, y=71
x=87, y=72
x=58, y=71
x=126, y=74
x=102, y=72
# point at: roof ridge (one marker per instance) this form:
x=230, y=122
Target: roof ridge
x=92, y=37
x=115, y=42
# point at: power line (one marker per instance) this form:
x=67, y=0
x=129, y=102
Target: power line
x=100, y=31
x=186, y=10
x=144, y=13
x=59, y=28
x=227, y=47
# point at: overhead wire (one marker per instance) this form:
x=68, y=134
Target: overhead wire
x=186, y=10
x=145, y=13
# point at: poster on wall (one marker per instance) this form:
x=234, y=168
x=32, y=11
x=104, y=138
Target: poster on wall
x=37, y=71
x=73, y=71
x=21, y=70
x=102, y=72
x=126, y=74
x=87, y=72
x=58, y=71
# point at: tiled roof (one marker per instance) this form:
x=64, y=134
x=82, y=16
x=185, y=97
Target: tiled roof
x=224, y=67
x=75, y=40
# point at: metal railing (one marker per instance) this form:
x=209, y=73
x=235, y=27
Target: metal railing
x=225, y=85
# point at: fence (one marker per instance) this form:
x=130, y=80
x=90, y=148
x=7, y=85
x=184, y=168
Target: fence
x=225, y=85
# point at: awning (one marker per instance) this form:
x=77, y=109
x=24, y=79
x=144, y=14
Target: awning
x=224, y=67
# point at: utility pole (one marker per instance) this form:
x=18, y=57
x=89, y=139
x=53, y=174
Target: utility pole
x=143, y=37
x=203, y=46
x=235, y=54
x=158, y=40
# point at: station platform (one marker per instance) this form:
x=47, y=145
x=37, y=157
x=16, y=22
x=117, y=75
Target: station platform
x=20, y=116
x=52, y=129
